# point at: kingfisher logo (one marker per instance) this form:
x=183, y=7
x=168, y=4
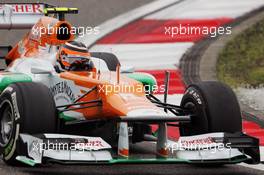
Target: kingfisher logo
x=25, y=8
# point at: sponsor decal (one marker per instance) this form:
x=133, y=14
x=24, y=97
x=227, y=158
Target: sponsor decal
x=202, y=141
x=25, y=8
x=207, y=142
x=195, y=95
x=90, y=144
x=61, y=89
x=77, y=144
x=14, y=101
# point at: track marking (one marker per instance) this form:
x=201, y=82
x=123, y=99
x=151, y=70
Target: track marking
x=144, y=56
x=126, y=18
x=207, y=9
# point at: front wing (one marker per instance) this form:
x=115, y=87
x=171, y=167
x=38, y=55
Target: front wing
x=206, y=148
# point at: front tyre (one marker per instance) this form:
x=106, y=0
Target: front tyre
x=26, y=107
x=213, y=107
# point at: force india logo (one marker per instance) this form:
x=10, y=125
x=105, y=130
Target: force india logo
x=62, y=88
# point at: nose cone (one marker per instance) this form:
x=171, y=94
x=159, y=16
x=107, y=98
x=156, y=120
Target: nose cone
x=131, y=101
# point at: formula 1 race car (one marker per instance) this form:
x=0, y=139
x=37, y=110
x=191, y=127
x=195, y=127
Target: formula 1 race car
x=99, y=115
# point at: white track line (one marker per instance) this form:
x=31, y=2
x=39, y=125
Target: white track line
x=205, y=9
x=123, y=19
x=147, y=56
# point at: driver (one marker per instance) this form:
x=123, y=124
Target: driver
x=74, y=56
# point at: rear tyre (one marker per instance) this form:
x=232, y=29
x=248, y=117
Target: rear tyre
x=214, y=108
x=110, y=59
x=24, y=108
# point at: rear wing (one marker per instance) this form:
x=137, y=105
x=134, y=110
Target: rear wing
x=25, y=15
x=20, y=15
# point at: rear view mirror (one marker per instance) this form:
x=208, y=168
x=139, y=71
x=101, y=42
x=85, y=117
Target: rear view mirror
x=127, y=69
x=35, y=70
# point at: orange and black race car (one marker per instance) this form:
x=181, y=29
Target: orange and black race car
x=61, y=103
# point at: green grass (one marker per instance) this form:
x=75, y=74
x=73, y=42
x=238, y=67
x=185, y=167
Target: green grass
x=242, y=59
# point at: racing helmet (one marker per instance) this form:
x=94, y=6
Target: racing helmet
x=74, y=56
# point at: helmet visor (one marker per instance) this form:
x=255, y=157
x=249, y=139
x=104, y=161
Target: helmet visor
x=73, y=58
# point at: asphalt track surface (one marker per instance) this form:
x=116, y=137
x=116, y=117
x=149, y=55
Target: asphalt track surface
x=169, y=169
x=92, y=13
x=131, y=169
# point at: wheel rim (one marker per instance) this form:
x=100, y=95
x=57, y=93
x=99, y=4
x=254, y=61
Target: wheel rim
x=197, y=125
x=191, y=107
x=6, y=122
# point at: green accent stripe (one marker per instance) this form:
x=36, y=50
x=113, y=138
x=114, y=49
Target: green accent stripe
x=144, y=78
x=150, y=161
x=9, y=78
x=26, y=160
x=234, y=160
x=66, y=117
